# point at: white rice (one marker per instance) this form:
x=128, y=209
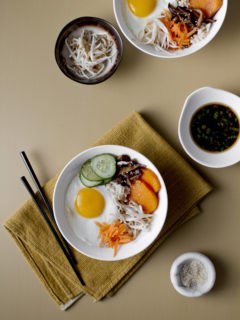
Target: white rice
x=201, y=33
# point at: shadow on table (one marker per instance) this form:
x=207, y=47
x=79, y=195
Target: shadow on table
x=131, y=55
x=39, y=165
x=230, y=31
x=153, y=121
x=222, y=274
x=231, y=26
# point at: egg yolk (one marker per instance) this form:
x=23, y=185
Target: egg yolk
x=141, y=8
x=89, y=203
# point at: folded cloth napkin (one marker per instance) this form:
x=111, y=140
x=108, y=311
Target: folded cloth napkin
x=103, y=278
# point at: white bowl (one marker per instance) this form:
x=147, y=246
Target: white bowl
x=119, y=15
x=193, y=102
x=186, y=258
x=89, y=247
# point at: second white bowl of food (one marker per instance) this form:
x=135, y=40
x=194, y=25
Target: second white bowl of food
x=82, y=232
x=146, y=24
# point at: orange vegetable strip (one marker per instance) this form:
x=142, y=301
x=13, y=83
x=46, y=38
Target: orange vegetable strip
x=113, y=234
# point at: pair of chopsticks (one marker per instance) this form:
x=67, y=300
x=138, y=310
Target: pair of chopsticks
x=62, y=243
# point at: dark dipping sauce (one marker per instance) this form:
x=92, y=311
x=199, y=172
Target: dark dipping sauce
x=214, y=127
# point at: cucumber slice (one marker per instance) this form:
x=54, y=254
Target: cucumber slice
x=89, y=183
x=106, y=181
x=104, y=165
x=88, y=173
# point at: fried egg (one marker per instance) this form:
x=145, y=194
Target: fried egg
x=141, y=8
x=89, y=203
x=137, y=13
x=84, y=206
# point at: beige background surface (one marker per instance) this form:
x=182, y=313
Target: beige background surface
x=53, y=118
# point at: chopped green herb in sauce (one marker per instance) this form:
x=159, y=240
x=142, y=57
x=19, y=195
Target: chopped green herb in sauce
x=214, y=127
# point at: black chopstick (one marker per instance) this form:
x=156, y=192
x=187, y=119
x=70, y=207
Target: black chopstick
x=44, y=215
x=45, y=200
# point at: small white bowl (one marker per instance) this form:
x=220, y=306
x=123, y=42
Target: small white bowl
x=119, y=15
x=186, y=258
x=86, y=240
x=193, y=102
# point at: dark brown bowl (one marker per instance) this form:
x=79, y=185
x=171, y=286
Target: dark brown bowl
x=72, y=26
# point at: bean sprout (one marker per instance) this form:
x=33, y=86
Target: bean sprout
x=91, y=53
x=156, y=33
x=130, y=212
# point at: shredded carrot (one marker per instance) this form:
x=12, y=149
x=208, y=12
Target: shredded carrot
x=113, y=234
x=178, y=31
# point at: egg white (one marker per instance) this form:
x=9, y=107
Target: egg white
x=85, y=228
x=136, y=24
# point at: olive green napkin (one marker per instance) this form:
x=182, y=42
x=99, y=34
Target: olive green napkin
x=185, y=189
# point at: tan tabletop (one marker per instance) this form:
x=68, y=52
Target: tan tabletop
x=52, y=118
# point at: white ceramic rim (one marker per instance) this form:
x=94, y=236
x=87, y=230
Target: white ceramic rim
x=186, y=258
x=220, y=17
x=58, y=203
x=213, y=160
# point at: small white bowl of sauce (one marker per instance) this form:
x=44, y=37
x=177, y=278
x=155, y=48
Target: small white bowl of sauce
x=209, y=127
x=192, y=274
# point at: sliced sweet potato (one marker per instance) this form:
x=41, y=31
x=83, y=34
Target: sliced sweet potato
x=209, y=7
x=150, y=178
x=144, y=196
